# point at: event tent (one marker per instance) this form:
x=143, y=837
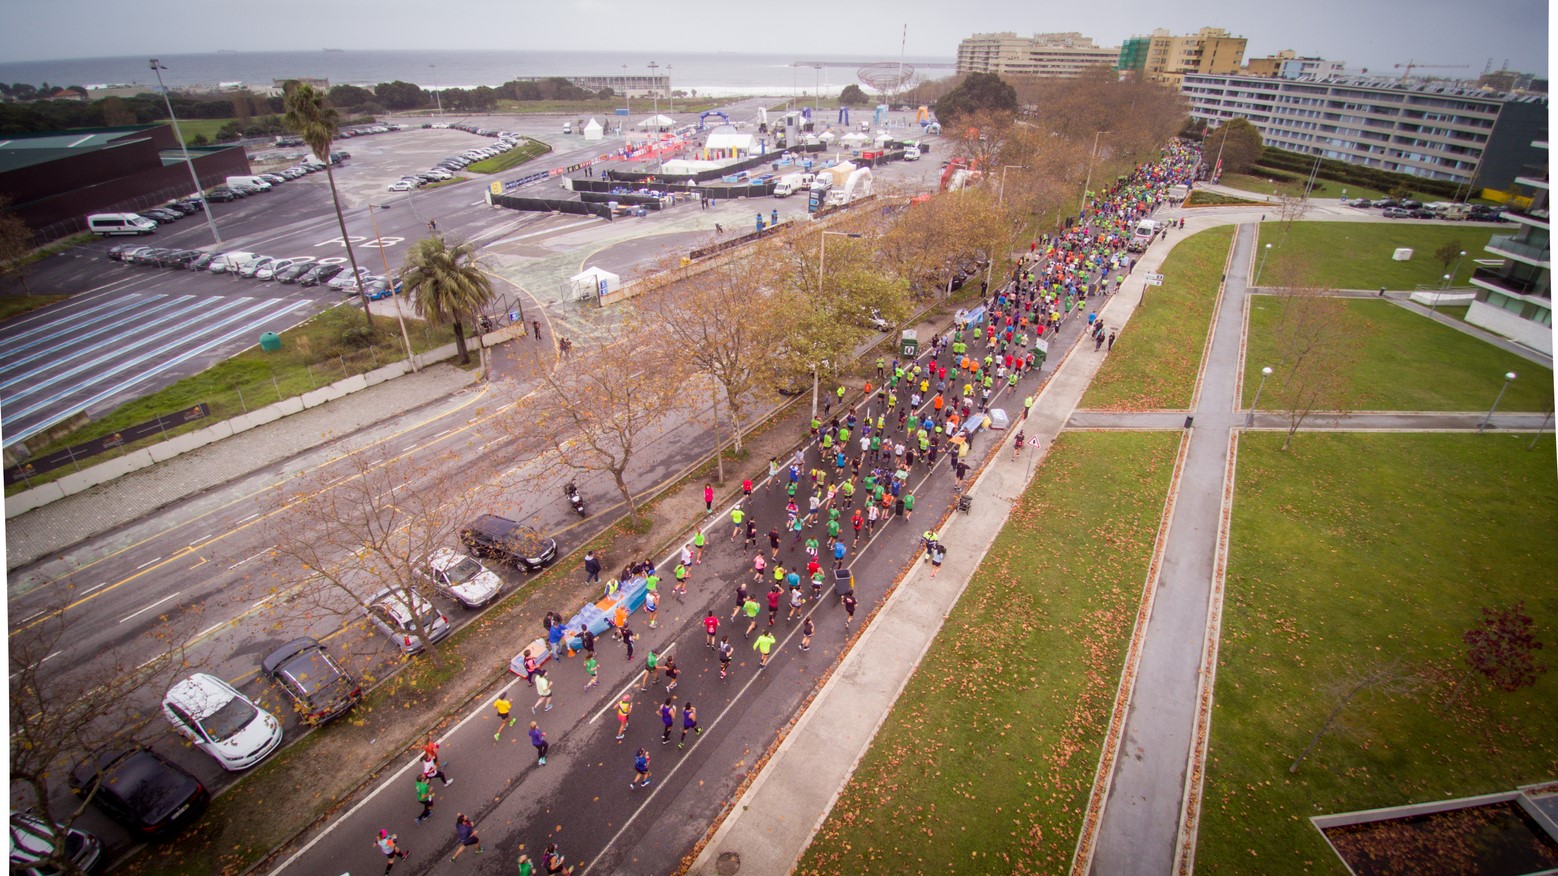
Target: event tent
x=592, y=130
x=589, y=283
x=657, y=122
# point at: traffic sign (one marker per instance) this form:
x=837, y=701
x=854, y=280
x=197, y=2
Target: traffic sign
x=1157, y=282
x=1154, y=279
x=1034, y=441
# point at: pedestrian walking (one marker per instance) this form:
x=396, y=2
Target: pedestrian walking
x=544, y=694
x=689, y=722
x=640, y=769
x=708, y=497
x=710, y=627
x=651, y=669
x=425, y=797
x=465, y=835
x=591, y=568
x=937, y=554
x=503, y=706
x=431, y=770
x=726, y=651
x=1111, y=341
x=807, y=628
x=624, y=709
x=667, y=719
x=849, y=609
x=764, y=644
x=1017, y=443
x=386, y=844
x=536, y=324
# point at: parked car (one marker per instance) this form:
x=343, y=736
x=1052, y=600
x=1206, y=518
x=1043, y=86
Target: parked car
x=32, y=847
x=346, y=282
x=268, y=272
x=223, y=195
x=460, y=578
x=150, y=257
x=319, y=274
x=387, y=610
x=203, y=261
x=181, y=258
x=377, y=288
x=273, y=178
x=499, y=538
x=1397, y=213
x=116, y=252
x=291, y=273
x=312, y=680
x=140, y=789
x=1387, y=203
x=401, y=186
x=253, y=267
x=1362, y=203
x=220, y=721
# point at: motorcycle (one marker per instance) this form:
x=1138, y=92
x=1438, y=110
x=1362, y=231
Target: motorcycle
x=575, y=499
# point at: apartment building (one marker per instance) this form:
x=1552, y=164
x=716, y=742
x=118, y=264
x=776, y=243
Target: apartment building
x=1515, y=299
x=1288, y=65
x=1432, y=130
x=1052, y=55
x=1163, y=57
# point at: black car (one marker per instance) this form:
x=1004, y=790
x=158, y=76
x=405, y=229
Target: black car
x=181, y=258
x=317, y=686
x=291, y=273
x=499, y=538
x=202, y=261
x=140, y=789
x=222, y=195
x=1387, y=203
x=152, y=256
x=319, y=274
x=116, y=252
x=162, y=216
x=1363, y=203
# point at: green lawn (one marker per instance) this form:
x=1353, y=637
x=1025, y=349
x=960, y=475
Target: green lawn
x=1357, y=255
x=1348, y=552
x=1323, y=190
x=18, y=304
x=1154, y=362
x=987, y=759
x=513, y=158
x=1408, y=363
x=190, y=128
x=312, y=356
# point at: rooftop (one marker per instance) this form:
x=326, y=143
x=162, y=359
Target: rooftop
x=25, y=150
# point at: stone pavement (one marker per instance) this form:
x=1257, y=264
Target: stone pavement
x=58, y=525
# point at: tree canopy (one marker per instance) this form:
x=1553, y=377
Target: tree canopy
x=853, y=96
x=1237, y=141
x=980, y=91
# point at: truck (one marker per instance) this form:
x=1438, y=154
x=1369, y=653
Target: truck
x=240, y=183
x=1177, y=194
x=1142, y=236
x=791, y=183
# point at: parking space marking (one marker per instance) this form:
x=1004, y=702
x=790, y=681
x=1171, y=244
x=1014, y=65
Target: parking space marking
x=71, y=338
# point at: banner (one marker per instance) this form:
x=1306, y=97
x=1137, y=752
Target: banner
x=87, y=450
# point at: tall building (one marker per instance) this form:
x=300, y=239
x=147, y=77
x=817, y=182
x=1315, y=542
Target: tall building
x=1434, y=131
x=1162, y=57
x=1054, y=55
x=1288, y=65
x=1515, y=299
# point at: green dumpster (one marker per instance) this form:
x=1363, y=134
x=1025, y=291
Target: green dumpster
x=270, y=342
x=909, y=344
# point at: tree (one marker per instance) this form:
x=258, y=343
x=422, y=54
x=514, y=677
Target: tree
x=597, y=417
x=447, y=284
x=311, y=117
x=1317, y=345
x=350, y=95
x=399, y=95
x=1502, y=649
x=980, y=91
x=1238, y=143
x=16, y=246
x=853, y=96
x=1391, y=678
x=1449, y=253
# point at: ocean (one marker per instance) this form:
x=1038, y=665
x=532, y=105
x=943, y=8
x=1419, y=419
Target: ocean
x=714, y=73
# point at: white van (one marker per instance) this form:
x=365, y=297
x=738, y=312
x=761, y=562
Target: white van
x=230, y=262
x=252, y=182
x=104, y=224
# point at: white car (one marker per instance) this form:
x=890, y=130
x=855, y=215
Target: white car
x=220, y=721
x=401, y=185
x=345, y=280
x=272, y=267
x=912, y=153
x=253, y=267
x=388, y=612
x=460, y=578
x=441, y=126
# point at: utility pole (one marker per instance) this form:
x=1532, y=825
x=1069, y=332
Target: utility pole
x=188, y=162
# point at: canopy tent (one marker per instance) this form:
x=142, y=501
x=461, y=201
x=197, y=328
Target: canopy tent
x=687, y=166
x=592, y=130
x=593, y=283
x=726, y=142
x=827, y=137
x=657, y=122
x=854, y=139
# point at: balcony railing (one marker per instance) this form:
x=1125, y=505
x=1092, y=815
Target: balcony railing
x=1507, y=243
x=1503, y=280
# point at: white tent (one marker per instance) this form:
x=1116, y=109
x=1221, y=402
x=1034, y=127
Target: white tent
x=592, y=130
x=827, y=137
x=853, y=139
x=657, y=122
x=687, y=165
x=725, y=139
x=592, y=283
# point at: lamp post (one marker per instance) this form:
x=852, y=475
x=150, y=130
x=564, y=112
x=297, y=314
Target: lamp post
x=389, y=277
x=1508, y=377
x=437, y=95
x=669, y=94
x=1089, y=183
x=625, y=95
x=1249, y=418
x=1000, y=197
x=1262, y=267
x=1447, y=280
x=822, y=260
x=188, y=162
x=654, y=86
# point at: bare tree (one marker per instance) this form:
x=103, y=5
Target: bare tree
x=1316, y=347
x=1391, y=678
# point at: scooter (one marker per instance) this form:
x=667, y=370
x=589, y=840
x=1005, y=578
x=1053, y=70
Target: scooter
x=575, y=499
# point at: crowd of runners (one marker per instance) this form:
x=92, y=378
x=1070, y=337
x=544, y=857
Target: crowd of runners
x=856, y=473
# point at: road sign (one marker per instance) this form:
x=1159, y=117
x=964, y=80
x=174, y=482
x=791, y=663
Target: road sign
x=1034, y=441
x=1157, y=282
x=1154, y=279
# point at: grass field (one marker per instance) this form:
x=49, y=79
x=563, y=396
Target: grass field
x=987, y=759
x=1326, y=190
x=191, y=127
x=1350, y=552
x=1407, y=363
x=520, y=154
x=1357, y=255
x=1153, y=365
x=311, y=356
x=18, y=304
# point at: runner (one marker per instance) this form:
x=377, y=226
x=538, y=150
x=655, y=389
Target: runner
x=849, y=609
x=591, y=671
x=651, y=669
x=672, y=672
x=764, y=644
x=425, y=797
x=465, y=835
x=503, y=706
x=689, y=722
x=543, y=693
x=667, y=718
x=751, y=608
x=698, y=542
x=624, y=709
x=651, y=606
x=797, y=600
x=386, y=846
x=640, y=769
x=807, y=628
x=725, y=653
x=710, y=627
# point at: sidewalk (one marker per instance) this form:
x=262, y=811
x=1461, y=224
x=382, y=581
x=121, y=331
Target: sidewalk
x=1327, y=421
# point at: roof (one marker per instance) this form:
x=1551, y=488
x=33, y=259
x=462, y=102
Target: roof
x=26, y=150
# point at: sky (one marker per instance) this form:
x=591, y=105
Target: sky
x=1375, y=34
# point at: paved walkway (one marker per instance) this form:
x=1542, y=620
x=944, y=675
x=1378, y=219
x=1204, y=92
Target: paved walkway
x=1334, y=421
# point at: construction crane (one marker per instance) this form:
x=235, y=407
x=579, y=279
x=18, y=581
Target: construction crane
x=1413, y=65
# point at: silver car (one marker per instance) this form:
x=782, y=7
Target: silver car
x=388, y=611
x=460, y=578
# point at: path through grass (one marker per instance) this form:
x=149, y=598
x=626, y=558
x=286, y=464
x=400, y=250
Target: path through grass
x=1153, y=364
x=987, y=759
x=1352, y=551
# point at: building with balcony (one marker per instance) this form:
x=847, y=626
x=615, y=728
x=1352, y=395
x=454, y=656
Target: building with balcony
x=1163, y=57
x=1431, y=130
x=1286, y=64
x=1050, y=55
x=1515, y=299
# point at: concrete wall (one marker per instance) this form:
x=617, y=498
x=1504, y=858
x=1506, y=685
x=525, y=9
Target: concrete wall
x=1511, y=325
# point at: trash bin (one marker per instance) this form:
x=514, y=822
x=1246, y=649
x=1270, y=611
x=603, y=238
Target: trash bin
x=270, y=342
x=908, y=348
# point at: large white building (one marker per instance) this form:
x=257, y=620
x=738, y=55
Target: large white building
x=1053, y=55
x=1515, y=299
x=1432, y=130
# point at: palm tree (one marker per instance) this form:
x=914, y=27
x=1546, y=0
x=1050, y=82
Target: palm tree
x=311, y=117
x=447, y=284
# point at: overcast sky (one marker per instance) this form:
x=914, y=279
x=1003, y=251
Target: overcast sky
x=1363, y=33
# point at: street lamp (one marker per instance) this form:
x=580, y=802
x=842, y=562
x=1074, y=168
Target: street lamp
x=1447, y=280
x=189, y=162
x=1508, y=377
x=389, y=277
x=625, y=95
x=1249, y=418
x=1089, y=183
x=1000, y=197
x=669, y=94
x=822, y=260
x=1262, y=265
x=437, y=95
x=654, y=86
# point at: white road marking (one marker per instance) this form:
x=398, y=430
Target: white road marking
x=150, y=607
x=248, y=558
x=147, y=563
